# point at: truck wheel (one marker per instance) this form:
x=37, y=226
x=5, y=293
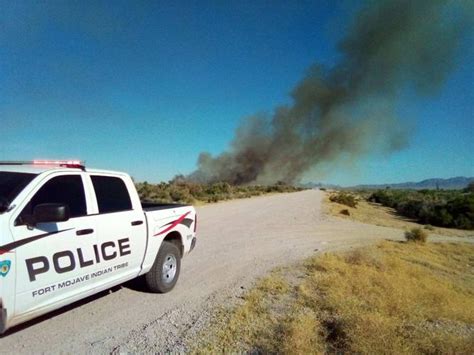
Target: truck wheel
x=165, y=271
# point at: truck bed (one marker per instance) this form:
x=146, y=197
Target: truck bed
x=154, y=206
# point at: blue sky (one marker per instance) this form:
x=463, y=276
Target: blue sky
x=145, y=87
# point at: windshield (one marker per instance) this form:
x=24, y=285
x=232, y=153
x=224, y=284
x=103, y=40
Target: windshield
x=11, y=185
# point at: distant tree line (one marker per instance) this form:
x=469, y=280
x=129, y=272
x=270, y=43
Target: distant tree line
x=180, y=190
x=443, y=208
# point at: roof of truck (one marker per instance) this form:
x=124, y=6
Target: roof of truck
x=30, y=168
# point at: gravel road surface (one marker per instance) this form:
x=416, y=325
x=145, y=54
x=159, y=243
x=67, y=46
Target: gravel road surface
x=238, y=241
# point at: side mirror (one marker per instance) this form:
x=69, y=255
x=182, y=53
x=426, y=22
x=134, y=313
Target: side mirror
x=50, y=212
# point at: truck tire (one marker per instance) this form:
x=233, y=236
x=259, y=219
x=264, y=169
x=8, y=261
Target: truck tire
x=165, y=270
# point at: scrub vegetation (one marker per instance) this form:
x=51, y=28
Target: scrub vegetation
x=180, y=190
x=444, y=212
x=344, y=198
x=443, y=208
x=393, y=298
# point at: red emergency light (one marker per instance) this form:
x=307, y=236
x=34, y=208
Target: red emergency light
x=62, y=163
x=78, y=164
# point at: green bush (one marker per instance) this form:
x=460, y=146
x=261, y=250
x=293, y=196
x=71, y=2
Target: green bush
x=443, y=208
x=417, y=235
x=183, y=191
x=470, y=188
x=344, y=198
x=180, y=194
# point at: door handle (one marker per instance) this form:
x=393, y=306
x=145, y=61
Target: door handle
x=137, y=223
x=85, y=231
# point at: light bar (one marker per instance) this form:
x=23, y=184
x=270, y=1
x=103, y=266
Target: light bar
x=63, y=163
x=57, y=162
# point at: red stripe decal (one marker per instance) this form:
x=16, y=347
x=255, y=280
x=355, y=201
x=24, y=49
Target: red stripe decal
x=175, y=223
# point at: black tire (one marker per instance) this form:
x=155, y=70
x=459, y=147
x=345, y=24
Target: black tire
x=158, y=279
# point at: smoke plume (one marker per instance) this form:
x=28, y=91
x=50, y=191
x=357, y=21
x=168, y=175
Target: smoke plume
x=349, y=109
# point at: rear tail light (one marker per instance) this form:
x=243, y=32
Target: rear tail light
x=195, y=222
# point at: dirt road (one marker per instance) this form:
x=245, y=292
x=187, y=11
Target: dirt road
x=238, y=241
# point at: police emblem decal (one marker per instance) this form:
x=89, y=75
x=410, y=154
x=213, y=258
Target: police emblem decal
x=5, y=267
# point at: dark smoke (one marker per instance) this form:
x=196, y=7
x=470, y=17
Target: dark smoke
x=347, y=110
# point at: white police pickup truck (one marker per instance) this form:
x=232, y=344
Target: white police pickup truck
x=67, y=232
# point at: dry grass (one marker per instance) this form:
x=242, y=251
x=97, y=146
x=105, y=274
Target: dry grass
x=396, y=298
x=252, y=324
x=373, y=213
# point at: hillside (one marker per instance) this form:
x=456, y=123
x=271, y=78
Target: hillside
x=459, y=182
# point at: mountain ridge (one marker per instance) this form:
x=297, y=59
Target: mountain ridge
x=458, y=182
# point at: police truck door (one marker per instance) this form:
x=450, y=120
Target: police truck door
x=121, y=229
x=54, y=260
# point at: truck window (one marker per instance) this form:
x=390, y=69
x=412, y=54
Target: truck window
x=11, y=184
x=112, y=194
x=67, y=189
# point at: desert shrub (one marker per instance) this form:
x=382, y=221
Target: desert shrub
x=345, y=212
x=442, y=217
x=181, y=190
x=443, y=208
x=429, y=227
x=417, y=235
x=218, y=191
x=180, y=194
x=470, y=188
x=383, y=197
x=462, y=210
x=213, y=199
x=280, y=186
x=344, y=198
x=411, y=208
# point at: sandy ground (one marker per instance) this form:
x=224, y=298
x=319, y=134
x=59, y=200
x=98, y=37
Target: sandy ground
x=238, y=242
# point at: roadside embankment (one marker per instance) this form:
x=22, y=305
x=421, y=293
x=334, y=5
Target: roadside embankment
x=395, y=297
